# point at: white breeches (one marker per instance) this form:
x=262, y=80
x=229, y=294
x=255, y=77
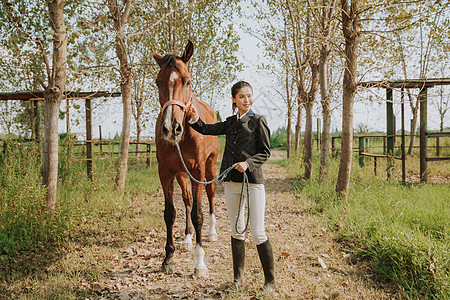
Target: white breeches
x=257, y=207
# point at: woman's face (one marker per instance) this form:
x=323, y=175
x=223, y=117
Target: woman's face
x=244, y=100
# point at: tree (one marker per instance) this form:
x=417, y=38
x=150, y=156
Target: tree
x=35, y=38
x=54, y=93
x=327, y=24
x=119, y=15
x=309, y=58
x=351, y=31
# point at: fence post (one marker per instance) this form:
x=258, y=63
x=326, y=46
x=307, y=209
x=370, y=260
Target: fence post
x=390, y=130
x=375, y=165
x=437, y=146
x=361, y=150
x=423, y=135
x=101, y=141
x=333, y=150
x=149, y=153
x=403, y=137
x=89, y=148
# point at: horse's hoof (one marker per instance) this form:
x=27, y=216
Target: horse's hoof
x=212, y=237
x=186, y=247
x=167, y=268
x=201, y=273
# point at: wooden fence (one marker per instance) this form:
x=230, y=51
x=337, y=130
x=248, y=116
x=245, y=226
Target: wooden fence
x=388, y=152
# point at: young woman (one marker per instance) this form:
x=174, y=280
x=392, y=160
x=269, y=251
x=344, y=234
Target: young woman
x=247, y=147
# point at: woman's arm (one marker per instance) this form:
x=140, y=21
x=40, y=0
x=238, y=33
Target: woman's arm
x=263, y=152
x=206, y=129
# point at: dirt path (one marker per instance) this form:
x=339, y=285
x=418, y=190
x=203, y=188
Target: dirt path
x=300, y=244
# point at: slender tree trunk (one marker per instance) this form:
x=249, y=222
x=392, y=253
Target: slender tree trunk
x=289, y=135
x=53, y=96
x=120, y=20
x=298, y=125
x=350, y=28
x=308, y=140
x=326, y=113
x=309, y=97
x=287, y=66
x=414, y=110
x=138, y=134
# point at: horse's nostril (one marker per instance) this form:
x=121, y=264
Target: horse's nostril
x=165, y=130
x=177, y=129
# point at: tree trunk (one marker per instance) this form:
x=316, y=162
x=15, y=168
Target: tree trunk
x=50, y=169
x=308, y=140
x=298, y=125
x=413, y=129
x=125, y=85
x=350, y=28
x=53, y=96
x=326, y=112
x=288, y=134
x=138, y=134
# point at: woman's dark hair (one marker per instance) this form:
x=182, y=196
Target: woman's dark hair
x=235, y=89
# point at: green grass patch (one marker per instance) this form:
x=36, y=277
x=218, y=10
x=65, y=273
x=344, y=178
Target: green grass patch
x=93, y=213
x=403, y=230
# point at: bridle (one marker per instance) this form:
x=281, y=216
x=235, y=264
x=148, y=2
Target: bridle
x=179, y=103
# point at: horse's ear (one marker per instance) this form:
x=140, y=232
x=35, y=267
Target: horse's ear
x=188, y=51
x=157, y=57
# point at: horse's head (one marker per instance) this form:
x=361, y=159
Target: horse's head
x=175, y=94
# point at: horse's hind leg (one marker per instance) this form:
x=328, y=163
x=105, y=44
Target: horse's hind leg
x=169, y=218
x=210, y=191
x=183, y=181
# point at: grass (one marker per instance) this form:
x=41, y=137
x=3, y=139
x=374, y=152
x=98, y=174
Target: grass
x=35, y=245
x=403, y=229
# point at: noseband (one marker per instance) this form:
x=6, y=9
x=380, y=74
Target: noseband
x=179, y=103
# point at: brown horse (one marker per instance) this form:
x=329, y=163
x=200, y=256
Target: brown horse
x=199, y=153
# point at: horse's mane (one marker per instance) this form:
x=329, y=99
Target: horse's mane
x=170, y=61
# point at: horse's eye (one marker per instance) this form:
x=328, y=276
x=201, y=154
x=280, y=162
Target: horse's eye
x=188, y=83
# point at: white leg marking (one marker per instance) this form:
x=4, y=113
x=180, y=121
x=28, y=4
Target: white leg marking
x=186, y=245
x=199, y=254
x=212, y=234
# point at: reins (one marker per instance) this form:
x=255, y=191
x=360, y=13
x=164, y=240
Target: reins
x=221, y=178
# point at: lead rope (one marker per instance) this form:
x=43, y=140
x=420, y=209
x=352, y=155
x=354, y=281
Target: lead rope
x=221, y=178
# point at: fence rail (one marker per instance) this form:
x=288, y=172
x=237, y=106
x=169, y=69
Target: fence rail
x=388, y=154
x=89, y=151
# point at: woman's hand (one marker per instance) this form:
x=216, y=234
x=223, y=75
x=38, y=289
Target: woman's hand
x=191, y=114
x=241, y=166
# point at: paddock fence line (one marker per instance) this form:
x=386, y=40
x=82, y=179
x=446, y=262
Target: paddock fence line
x=388, y=153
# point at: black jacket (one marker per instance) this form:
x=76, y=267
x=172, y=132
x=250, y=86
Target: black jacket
x=247, y=139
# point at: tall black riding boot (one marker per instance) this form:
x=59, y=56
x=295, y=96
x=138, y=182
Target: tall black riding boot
x=266, y=257
x=238, y=250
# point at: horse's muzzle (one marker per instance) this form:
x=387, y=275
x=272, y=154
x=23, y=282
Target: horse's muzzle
x=172, y=132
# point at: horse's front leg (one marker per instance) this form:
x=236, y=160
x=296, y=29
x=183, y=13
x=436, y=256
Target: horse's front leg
x=169, y=218
x=183, y=181
x=197, y=219
x=210, y=174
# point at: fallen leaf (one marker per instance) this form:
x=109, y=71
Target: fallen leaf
x=285, y=254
